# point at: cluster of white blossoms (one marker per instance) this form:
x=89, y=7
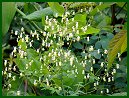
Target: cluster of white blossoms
x=54, y=34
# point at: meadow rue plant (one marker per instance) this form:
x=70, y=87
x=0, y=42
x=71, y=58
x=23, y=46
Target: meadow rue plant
x=65, y=56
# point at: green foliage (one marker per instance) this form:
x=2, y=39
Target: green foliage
x=56, y=51
x=117, y=44
x=37, y=15
x=57, y=8
x=8, y=12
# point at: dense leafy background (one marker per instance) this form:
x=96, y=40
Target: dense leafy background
x=64, y=48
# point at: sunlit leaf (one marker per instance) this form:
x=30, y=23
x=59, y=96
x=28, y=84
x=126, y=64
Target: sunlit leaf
x=115, y=46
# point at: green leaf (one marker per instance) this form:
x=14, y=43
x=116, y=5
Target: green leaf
x=78, y=45
x=104, y=22
x=124, y=45
x=100, y=8
x=121, y=4
x=57, y=8
x=104, y=43
x=90, y=30
x=119, y=94
x=22, y=44
x=98, y=45
x=8, y=12
x=37, y=15
x=115, y=46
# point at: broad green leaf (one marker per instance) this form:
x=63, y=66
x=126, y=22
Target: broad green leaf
x=106, y=21
x=57, y=8
x=22, y=44
x=31, y=53
x=37, y=15
x=8, y=12
x=90, y=30
x=100, y=8
x=119, y=94
x=104, y=43
x=78, y=45
x=115, y=46
x=124, y=45
x=80, y=18
x=121, y=4
x=98, y=45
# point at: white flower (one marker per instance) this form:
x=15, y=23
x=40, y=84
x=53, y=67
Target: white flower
x=70, y=35
x=104, y=79
x=16, y=32
x=105, y=51
x=27, y=38
x=83, y=71
x=109, y=79
x=73, y=13
x=91, y=69
x=88, y=75
x=21, y=35
x=76, y=25
x=37, y=36
x=88, y=39
x=76, y=70
x=14, y=68
x=37, y=50
x=94, y=84
x=52, y=28
x=78, y=38
x=91, y=48
x=23, y=40
x=112, y=78
x=117, y=66
x=5, y=62
x=71, y=61
x=14, y=78
x=98, y=51
x=93, y=61
x=26, y=66
x=22, y=29
x=118, y=55
x=21, y=74
x=44, y=33
x=47, y=81
x=59, y=54
x=18, y=93
x=9, y=75
x=9, y=85
x=53, y=58
x=60, y=88
x=119, y=59
x=39, y=79
x=46, y=17
x=114, y=70
x=97, y=83
x=73, y=28
x=81, y=10
x=102, y=64
x=89, y=55
x=35, y=83
x=59, y=63
x=107, y=74
x=83, y=64
x=14, y=50
x=107, y=90
x=101, y=92
x=84, y=77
